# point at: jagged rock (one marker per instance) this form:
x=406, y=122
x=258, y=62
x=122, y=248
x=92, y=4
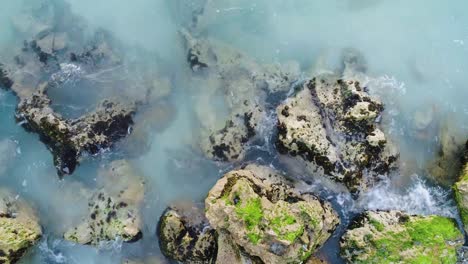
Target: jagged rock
x=19, y=227
x=68, y=139
x=242, y=85
x=185, y=235
x=396, y=237
x=114, y=209
x=264, y=215
x=331, y=124
x=461, y=189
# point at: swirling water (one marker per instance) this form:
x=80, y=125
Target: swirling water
x=417, y=54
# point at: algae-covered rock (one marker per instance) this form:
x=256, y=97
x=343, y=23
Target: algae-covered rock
x=265, y=216
x=461, y=190
x=114, y=210
x=332, y=125
x=185, y=235
x=19, y=227
x=396, y=237
x=234, y=89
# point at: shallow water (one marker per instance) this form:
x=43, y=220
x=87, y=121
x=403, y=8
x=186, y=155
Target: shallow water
x=417, y=55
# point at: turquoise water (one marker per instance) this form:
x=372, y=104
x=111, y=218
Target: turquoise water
x=417, y=55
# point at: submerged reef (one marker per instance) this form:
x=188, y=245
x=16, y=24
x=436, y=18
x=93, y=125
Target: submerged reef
x=397, y=237
x=242, y=85
x=19, y=227
x=114, y=209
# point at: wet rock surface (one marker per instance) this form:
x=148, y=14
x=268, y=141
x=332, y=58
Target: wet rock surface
x=261, y=213
x=185, y=235
x=114, y=209
x=332, y=124
x=377, y=237
x=461, y=189
x=242, y=85
x=19, y=227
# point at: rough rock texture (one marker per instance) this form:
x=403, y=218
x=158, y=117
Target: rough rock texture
x=446, y=166
x=185, y=235
x=396, y=237
x=230, y=78
x=114, y=209
x=331, y=124
x=265, y=216
x=69, y=138
x=461, y=190
x=19, y=227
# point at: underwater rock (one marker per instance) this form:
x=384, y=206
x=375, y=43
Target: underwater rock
x=446, y=166
x=185, y=235
x=239, y=84
x=114, y=209
x=461, y=190
x=8, y=152
x=260, y=211
x=19, y=227
x=396, y=237
x=332, y=125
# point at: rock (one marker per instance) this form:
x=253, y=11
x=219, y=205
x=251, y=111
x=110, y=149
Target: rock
x=19, y=227
x=114, y=209
x=461, y=190
x=53, y=42
x=396, y=237
x=332, y=125
x=69, y=138
x=240, y=85
x=185, y=235
x=446, y=165
x=264, y=215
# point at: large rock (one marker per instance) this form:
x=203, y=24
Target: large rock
x=227, y=77
x=261, y=213
x=19, y=227
x=114, y=209
x=396, y=237
x=461, y=190
x=185, y=235
x=332, y=125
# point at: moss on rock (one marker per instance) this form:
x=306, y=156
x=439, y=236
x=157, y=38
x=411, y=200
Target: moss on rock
x=461, y=190
x=265, y=216
x=396, y=237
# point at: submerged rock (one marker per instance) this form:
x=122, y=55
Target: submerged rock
x=114, y=210
x=19, y=227
x=241, y=85
x=185, y=235
x=261, y=213
x=461, y=190
x=332, y=125
x=396, y=237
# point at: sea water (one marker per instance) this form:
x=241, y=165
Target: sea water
x=417, y=56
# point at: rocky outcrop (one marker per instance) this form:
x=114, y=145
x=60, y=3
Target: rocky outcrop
x=114, y=209
x=260, y=212
x=396, y=237
x=230, y=78
x=332, y=125
x=461, y=189
x=185, y=235
x=19, y=227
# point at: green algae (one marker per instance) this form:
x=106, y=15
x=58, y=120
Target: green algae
x=251, y=212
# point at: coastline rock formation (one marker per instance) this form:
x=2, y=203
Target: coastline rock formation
x=231, y=78
x=19, y=227
x=396, y=237
x=461, y=190
x=260, y=212
x=185, y=235
x=114, y=209
x=332, y=124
